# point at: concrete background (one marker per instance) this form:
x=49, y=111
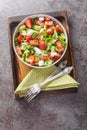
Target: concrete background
x=66, y=112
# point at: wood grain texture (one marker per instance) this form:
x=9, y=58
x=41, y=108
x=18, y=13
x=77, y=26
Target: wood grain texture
x=20, y=70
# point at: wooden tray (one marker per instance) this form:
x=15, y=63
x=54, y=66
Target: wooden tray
x=20, y=70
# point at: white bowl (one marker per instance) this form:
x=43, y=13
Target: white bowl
x=57, y=22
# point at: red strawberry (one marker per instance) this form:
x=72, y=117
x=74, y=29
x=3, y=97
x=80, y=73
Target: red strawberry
x=34, y=42
x=20, y=38
x=31, y=59
x=42, y=45
x=46, y=19
x=59, y=29
x=19, y=51
x=50, y=31
x=28, y=38
x=57, y=56
x=49, y=23
x=28, y=23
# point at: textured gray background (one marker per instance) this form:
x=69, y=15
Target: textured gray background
x=64, y=112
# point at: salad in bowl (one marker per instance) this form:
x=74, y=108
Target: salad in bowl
x=40, y=41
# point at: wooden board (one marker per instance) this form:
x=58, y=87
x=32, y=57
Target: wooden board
x=20, y=70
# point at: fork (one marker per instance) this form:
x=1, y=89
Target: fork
x=59, y=68
x=36, y=88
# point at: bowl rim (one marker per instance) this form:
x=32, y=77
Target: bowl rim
x=34, y=16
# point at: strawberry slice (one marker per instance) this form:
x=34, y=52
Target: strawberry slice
x=31, y=59
x=50, y=31
x=34, y=42
x=57, y=56
x=58, y=28
x=46, y=19
x=49, y=23
x=38, y=22
x=60, y=46
x=44, y=58
x=19, y=51
x=20, y=38
x=28, y=23
x=42, y=45
x=28, y=38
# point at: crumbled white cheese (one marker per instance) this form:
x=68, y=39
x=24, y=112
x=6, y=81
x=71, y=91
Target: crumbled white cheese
x=53, y=53
x=41, y=18
x=30, y=32
x=38, y=51
x=41, y=62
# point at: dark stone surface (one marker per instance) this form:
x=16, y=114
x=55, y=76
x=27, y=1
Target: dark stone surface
x=64, y=112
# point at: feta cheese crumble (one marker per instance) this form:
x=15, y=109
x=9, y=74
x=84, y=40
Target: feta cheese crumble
x=30, y=32
x=37, y=50
x=41, y=18
x=41, y=62
x=53, y=53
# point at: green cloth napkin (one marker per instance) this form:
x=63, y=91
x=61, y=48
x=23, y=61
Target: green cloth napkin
x=39, y=75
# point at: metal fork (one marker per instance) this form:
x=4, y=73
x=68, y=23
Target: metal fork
x=59, y=68
x=36, y=88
